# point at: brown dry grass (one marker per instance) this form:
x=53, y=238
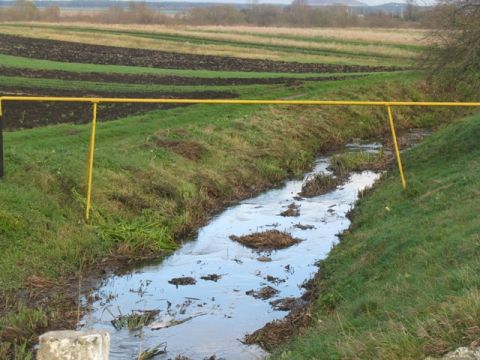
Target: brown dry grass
x=394, y=36
x=278, y=332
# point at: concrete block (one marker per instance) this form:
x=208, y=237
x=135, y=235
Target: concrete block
x=74, y=345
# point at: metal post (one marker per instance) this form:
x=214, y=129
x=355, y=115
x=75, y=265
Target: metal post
x=1, y=141
x=395, y=145
x=91, y=151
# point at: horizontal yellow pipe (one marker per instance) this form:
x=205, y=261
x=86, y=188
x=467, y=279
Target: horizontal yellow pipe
x=240, y=102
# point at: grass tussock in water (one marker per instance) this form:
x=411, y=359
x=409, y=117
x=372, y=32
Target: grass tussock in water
x=135, y=321
x=319, y=184
x=403, y=282
x=266, y=240
x=345, y=163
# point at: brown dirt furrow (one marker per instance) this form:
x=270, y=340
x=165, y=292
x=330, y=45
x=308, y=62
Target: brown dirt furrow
x=109, y=55
x=26, y=115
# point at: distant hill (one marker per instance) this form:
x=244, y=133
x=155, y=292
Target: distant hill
x=336, y=2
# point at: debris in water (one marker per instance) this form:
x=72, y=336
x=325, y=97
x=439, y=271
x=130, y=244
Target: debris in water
x=134, y=321
x=274, y=280
x=211, y=277
x=184, y=306
x=297, y=198
x=319, y=184
x=287, y=304
x=304, y=227
x=182, y=281
x=267, y=240
x=292, y=210
x=264, y=259
x=273, y=225
x=150, y=353
x=264, y=293
x=170, y=321
x=213, y=357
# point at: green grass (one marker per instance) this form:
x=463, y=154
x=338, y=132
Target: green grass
x=403, y=283
x=79, y=85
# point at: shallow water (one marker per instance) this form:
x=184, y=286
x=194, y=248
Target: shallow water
x=222, y=312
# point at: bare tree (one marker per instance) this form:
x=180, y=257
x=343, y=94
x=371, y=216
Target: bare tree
x=455, y=51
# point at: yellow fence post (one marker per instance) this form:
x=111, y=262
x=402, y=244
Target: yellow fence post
x=395, y=145
x=1, y=140
x=91, y=151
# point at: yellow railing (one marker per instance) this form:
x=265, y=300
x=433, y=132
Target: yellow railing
x=95, y=101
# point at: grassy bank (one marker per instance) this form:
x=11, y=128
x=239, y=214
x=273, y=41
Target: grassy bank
x=403, y=283
x=157, y=177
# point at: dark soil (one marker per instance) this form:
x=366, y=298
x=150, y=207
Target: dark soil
x=292, y=210
x=188, y=149
x=182, y=281
x=267, y=240
x=146, y=79
x=264, y=293
x=319, y=184
x=109, y=55
x=26, y=115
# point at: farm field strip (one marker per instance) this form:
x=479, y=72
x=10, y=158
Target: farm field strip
x=38, y=64
x=380, y=35
x=315, y=39
x=364, y=36
x=224, y=44
x=156, y=80
x=277, y=43
x=67, y=51
x=96, y=86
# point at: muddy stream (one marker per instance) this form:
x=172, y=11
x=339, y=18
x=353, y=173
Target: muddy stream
x=212, y=315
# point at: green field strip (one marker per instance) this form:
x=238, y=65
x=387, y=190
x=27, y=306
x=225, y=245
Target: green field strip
x=37, y=64
x=44, y=83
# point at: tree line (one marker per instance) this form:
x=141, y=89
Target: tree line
x=298, y=14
